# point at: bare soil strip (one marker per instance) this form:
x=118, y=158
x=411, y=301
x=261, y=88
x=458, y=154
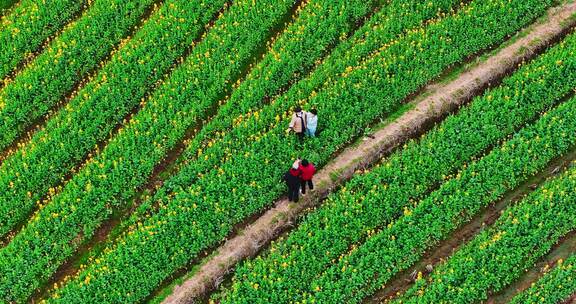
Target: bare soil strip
x=443, y=99
x=467, y=232
x=571, y=300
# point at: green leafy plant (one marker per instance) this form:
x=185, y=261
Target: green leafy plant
x=500, y=254
x=373, y=201
x=554, y=287
x=28, y=25
x=79, y=49
x=193, y=212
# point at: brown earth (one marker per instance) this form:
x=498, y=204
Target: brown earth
x=443, y=99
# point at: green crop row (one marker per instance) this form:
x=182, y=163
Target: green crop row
x=499, y=255
x=33, y=171
x=554, y=287
x=375, y=200
x=170, y=113
x=78, y=50
x=262, y=85
x=28, y=25
x=198, y=217
x=112, y=177
x=398, y=247
x=5, y=5
x=387, y=77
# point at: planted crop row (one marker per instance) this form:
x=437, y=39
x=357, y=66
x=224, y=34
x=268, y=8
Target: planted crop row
x=499, y=255
x=33, y=171
x=401, y=244
x=5, y=5
x=554, y=287
x=262, y=85
x=111, y=178
x=197, y=217
x=387, y=77
x=158, y=121
x=78, y=50
x=371, y=201
x=28, y=25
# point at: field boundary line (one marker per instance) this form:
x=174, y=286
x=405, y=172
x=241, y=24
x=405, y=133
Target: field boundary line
x=443, y=100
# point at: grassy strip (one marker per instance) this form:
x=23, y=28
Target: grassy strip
x=79, y=49
x=201, y=215
x=375, y=200
x=28, y=25
x=499, y=255
x=33, y=171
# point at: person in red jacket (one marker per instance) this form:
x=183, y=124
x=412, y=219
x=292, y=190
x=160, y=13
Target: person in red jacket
x=292, y=179
x=307, y=172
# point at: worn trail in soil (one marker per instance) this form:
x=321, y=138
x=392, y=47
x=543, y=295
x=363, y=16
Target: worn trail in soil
x=443, y=100
x=111, y=229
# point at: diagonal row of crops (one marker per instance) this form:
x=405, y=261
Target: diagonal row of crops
x=481, y=183
x=304, y=23
x=497, y=256
x=197, y=95
x=79, y=49
x=88, y=198
x=185, y=223
x=313, y=261
x=43, y=163
x=29, y=25
x=554, y=286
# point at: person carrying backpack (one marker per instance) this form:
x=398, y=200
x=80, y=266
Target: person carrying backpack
x=292, y=179
x=298, y=123
x=307, y=171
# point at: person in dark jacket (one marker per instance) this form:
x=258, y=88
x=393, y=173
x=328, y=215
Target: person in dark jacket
x=292, y=179
x=307, y=172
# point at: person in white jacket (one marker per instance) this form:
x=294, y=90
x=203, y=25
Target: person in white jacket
x=311, y=122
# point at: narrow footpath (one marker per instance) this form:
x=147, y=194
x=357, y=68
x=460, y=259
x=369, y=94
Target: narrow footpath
x=440, y=101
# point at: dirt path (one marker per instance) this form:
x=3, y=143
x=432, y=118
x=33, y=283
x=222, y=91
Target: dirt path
x=571, y=300
x=107, y=232
x=404, y=280
x=444, y=99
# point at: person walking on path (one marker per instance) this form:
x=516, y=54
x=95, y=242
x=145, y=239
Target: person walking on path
x=298, y=123
x=307, y=172
x=311, y=123
x=292, y=179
